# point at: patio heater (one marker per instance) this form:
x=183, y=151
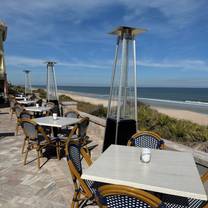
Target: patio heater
x=121, y=121
x=52, y=95
x=28, y=87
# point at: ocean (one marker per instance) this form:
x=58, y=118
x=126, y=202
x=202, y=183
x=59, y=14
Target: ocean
x=193, y=99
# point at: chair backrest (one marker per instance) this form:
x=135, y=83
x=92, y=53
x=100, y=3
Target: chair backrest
x=39, y=102
x=74, y=151
x=146, y=139
x=33, y=131
x=18, y=110
x=123, y=196
x=12, y=102
x=82, y=127
x=25, y=114
x=30, y=128
x=50, y=104
x=72, y=114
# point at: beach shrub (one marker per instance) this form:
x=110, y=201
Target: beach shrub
x=15, y=89
x=181, y=131
x=63, y=98
x=42, y=93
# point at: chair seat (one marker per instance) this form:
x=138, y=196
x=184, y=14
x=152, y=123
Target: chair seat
x=181, y=202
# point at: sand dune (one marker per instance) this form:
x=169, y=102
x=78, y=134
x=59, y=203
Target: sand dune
x=198, y=118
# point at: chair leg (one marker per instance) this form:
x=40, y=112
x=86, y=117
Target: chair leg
x=75, y=202
x=78, y=197
x=25, y=159
x=58, y=150
x=23, y=146
x=38, y=153
x=17, y=128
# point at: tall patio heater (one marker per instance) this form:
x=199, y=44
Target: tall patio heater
x=121, y=121
x=52, y=95
x=28, y=87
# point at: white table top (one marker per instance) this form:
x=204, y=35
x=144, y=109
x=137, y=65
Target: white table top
x=59, y=122
x=26, y=102
x=37, y=109
x=20, y=98
x=168, y=172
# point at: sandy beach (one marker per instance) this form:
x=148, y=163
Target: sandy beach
x=194, y=117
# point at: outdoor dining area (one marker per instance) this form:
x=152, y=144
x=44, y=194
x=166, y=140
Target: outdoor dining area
x=135, y=168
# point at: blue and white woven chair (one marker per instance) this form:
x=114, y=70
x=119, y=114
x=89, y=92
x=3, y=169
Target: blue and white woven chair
x=117, y=196
x=72, y=114
x=181, y=202
x=146, y=139
x=37, y=139
x=24, y=115
x=84, y=191
x=18, y=110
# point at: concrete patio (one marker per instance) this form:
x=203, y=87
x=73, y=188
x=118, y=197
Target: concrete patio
x=51, y=186
x=26, y=186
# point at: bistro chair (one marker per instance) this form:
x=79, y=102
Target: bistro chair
x=52, y=106
x=84, y=191
x=182, y=202
x=72, y=114
x=69, y=114
x=37, y=139
x=113, y=196
x=82, y=127
x=18, y=110
x=79, y=134
x=24, y=115
x=12, y=103
x=146, y=139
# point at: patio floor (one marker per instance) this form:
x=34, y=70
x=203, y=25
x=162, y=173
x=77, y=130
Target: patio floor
x=26, y=186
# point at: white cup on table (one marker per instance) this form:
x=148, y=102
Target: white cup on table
x=54, y=116
x=37, y=105
x=145, y=156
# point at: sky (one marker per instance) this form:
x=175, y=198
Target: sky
x=74, y=33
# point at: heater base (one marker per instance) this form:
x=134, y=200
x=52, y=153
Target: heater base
x=126, y=128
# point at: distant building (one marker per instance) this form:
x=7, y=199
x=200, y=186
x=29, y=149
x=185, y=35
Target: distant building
x=3, y=75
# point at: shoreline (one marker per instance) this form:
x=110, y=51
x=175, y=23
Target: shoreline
x=181, y=114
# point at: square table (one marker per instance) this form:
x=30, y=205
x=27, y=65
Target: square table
x=59, y=122
x=168, y=172
x=37, y=109
x=20, y=98
x=26, y=102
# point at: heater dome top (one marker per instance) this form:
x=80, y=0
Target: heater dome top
x=119, y=31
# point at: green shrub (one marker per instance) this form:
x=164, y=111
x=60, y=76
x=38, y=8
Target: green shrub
x=15, y=89
x=42, y=93
x=65, y=98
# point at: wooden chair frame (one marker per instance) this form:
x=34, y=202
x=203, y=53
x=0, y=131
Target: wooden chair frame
x=150, y=133
x=107, y=190
x=39, y=147
x=82, y=192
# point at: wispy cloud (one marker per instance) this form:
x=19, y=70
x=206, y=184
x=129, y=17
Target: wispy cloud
x=188, y=64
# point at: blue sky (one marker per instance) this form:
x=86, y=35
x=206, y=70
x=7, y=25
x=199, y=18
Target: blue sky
x=173, y=53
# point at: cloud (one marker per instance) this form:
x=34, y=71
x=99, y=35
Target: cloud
x=188, y=64
x=19, y=61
